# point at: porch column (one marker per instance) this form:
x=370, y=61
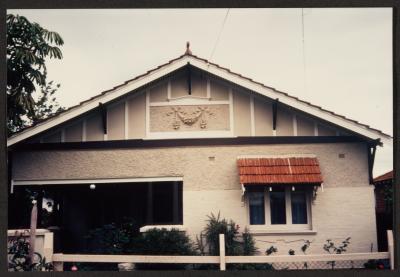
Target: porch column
x=149, y=210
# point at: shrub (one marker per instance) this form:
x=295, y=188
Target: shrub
x=235, y=243
x=125, y=238
x=18, y=256
x=163, y=242
x=113, y=238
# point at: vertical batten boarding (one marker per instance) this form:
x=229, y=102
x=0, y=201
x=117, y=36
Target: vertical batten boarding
x=169, y=89
x=208, y=89
x=126, y=120
x=84, y=130
x=231, y=111
x=295, y=125
x=148, y=111
x=315, y=129
x=222, y=261
x=63, y=135
x=252, y=121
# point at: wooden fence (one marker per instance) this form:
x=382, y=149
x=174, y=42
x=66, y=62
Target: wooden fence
x=222, y=259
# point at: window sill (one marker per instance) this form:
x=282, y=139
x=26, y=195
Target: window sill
x=146, y=228
x=267, y=231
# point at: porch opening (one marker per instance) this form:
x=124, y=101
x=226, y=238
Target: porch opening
x=72, y=210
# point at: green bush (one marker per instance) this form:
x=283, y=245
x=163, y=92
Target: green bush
x=163, y=242
x=125, y=238
x=113, y=238
x=236, y=243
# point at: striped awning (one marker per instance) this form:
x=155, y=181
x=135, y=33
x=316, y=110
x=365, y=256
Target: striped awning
x=279, y=170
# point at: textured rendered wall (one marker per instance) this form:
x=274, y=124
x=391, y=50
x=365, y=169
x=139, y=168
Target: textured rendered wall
x=191, y=162
x=344, y=208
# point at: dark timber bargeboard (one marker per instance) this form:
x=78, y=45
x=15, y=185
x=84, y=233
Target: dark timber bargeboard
x=140, y=143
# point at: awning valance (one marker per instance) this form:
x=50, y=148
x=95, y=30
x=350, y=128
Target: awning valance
x=279, y=170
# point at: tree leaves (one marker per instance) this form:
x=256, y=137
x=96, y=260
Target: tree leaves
x=28, y=45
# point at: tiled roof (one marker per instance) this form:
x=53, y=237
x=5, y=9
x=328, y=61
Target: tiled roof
x=287, y=170
x=209, y=63
x=384, y=177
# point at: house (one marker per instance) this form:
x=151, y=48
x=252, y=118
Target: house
x=190, y=138
x=383, y=207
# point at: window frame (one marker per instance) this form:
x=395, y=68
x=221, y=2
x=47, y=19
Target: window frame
x=289, y=226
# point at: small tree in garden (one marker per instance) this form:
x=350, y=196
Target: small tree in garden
x=215, y=226
x=236, y=243
x=331, y=248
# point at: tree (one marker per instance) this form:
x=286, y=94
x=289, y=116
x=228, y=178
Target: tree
x=28, y=45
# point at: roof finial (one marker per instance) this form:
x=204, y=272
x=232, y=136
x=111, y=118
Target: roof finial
x=188, y=51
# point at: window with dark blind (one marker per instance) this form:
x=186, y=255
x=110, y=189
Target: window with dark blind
x=256, y=204
x=278, y=206
x=299, y=207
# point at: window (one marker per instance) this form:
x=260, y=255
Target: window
x=299, y=207
x=256, y=205
x=277, y=202
x=280, y=207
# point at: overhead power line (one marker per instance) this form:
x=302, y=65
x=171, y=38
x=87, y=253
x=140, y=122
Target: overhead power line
x=219, y=35
x=304, y=52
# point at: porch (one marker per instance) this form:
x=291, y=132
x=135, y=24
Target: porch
x=70, y=209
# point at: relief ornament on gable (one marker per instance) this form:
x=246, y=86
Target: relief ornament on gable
x=189, y=118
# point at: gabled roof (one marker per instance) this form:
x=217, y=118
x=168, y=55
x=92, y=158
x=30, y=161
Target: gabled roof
x=214, y=69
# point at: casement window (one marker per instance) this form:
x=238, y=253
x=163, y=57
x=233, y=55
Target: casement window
x=280, y=207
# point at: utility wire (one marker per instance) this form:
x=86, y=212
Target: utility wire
x=219, y=35
x=304, y=52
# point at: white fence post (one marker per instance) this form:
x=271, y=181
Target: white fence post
x=48, y=246
x=222, y=261
x=390, y=248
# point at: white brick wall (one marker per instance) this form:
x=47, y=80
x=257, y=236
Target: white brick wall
x=337, y=213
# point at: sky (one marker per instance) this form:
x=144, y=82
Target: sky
x=340, y=59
